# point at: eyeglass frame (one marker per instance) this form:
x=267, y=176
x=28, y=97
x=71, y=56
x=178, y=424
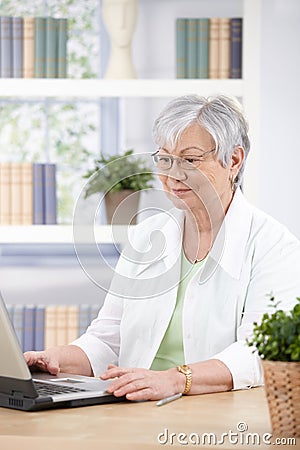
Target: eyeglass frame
x=173, y=158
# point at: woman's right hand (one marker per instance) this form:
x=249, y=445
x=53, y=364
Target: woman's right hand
x=45, y=361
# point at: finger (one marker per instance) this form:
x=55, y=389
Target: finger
x=53, y=367
x=34, y=361
x=31, y=357
x=40, y=361
x=115, y=372
x=142, y=394
x=111, y=366
x=125, y=378
x=128, y=383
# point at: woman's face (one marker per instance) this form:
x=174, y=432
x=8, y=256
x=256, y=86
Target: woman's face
x=201, y=186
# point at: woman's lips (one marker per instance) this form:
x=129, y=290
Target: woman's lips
x=179, y=192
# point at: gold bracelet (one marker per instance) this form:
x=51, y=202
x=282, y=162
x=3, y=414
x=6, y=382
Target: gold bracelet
x=186, y=370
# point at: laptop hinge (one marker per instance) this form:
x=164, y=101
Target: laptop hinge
x=18, y=387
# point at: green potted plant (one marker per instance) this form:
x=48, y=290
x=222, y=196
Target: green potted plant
x=120, y=178
x=277, y=340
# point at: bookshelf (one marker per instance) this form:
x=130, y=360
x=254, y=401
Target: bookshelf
x=246, y=89
x=66, y=88
x=59, y=234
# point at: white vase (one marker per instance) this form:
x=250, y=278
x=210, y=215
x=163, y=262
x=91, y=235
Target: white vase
x=119, y=17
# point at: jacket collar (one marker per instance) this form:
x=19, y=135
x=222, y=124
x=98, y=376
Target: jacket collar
x=228, y=249
x=167, y=245
x=230, y=244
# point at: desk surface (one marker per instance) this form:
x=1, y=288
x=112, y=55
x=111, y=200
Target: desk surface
x=136, y=426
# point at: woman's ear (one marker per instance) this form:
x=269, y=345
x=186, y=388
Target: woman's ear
x=237, y=158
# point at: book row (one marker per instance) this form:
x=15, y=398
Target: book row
x=39, y=327
x=33, y=47
x=27, y=193
x=209, y=48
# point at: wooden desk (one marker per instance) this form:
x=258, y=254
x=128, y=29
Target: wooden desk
x=136, y=426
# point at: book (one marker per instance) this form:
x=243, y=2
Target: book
x=6, y=46
x=28, y=47
x=39, y=47
x=39, y=327
x=224, y=48
x=50, y=326
x=61, y=325
x=84, y=318
x=39, y=332
x=214, y=47
x=202, y=47
x=27, y=193
x=49, y=180
x=191, y=33
x=17, y=47
x=28, y=328
x=236, y=33
x=51, y=47
x=5, y=193
x=38, y=194
x=181, y=39
x=62, y=38
x=16, y=194
x=72, y=323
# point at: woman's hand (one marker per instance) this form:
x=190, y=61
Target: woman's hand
x=63, y=358
x=45, y=361
x=143, y=384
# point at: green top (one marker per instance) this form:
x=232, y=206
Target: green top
x=170, y=352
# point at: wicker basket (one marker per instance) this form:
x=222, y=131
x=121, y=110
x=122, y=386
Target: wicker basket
x=282, y=386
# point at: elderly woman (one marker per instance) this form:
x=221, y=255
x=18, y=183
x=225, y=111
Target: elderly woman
x=186, y=293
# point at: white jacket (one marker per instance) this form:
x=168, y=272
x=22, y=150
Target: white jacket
x=252, y=257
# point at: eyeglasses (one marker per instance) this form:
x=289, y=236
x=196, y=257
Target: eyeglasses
x=187, y=162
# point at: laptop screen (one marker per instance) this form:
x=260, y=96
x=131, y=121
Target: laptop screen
x=12, y=362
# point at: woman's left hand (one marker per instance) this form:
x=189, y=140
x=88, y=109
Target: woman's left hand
x=143, y=384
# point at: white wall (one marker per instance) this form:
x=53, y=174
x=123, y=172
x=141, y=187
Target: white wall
x=279, y=177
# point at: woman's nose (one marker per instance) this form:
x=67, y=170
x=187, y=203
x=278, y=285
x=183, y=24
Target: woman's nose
x=176, y=171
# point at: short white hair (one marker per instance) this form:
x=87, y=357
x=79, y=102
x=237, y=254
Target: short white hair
x=220, y=115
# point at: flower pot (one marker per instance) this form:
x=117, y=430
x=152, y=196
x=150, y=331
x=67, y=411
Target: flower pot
x=121, y=207
x=282, y=386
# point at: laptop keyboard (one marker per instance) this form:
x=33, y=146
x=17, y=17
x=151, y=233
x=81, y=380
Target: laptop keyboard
x=50, y=389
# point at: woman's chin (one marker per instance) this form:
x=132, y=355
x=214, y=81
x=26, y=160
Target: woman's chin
x=179, y=202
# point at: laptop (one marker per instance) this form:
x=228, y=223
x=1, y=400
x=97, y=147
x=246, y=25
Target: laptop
x=23, y=390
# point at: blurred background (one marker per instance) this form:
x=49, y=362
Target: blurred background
x=71, y=133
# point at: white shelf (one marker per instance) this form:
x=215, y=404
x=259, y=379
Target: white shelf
x=60, y=234
x=92, y=88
